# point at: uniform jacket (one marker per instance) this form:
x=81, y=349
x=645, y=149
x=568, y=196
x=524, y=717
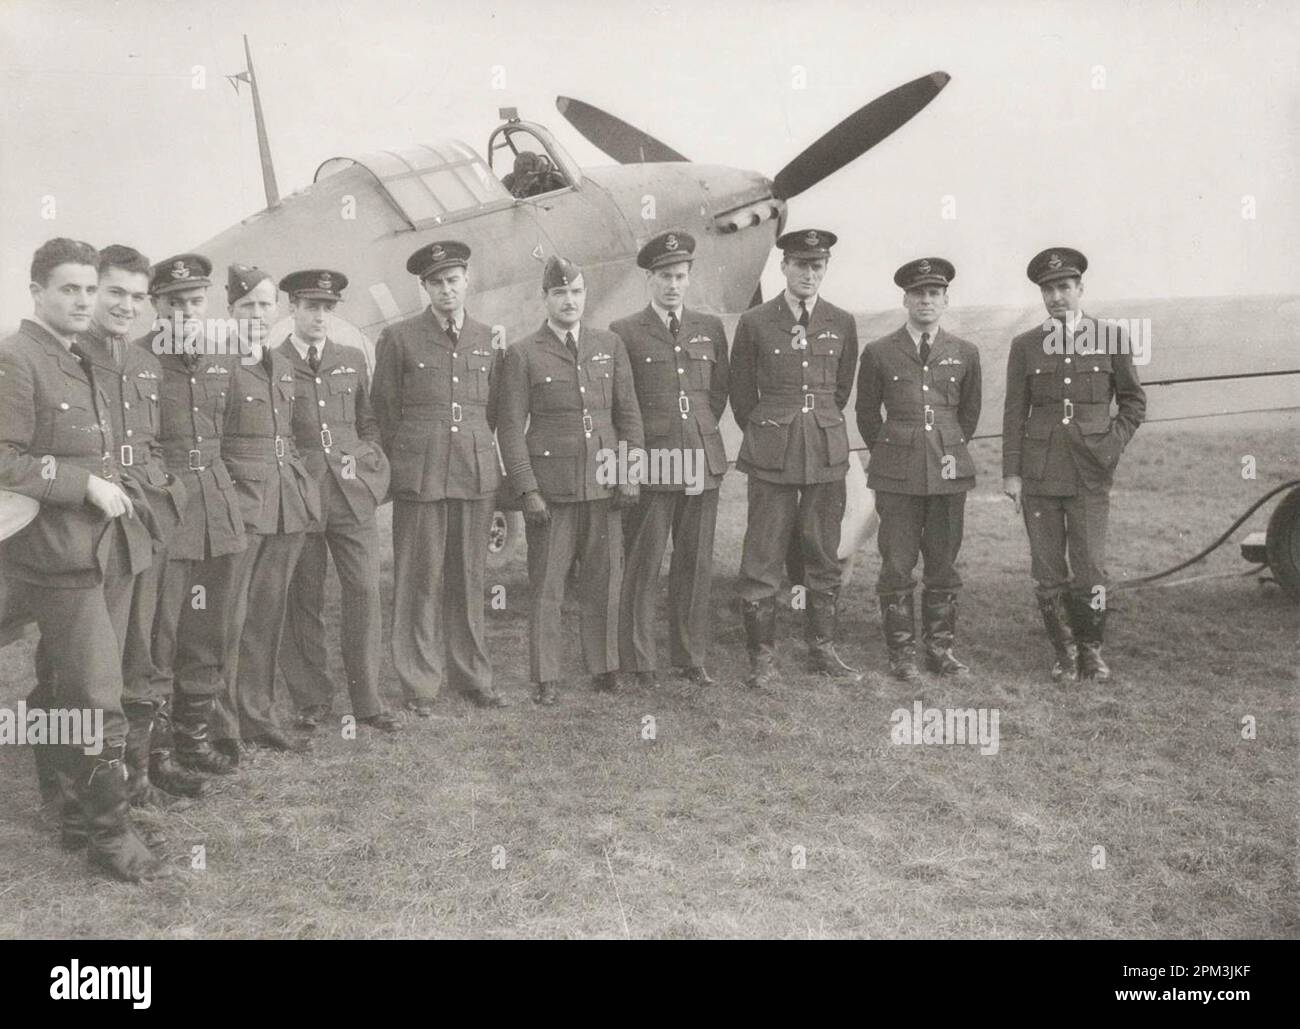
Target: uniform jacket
x=931, y=412
x=788, y=400
x=335, y=429
x=54, y=434
x=437, y=408
x=681, y=385
x=1058, y=433
x=557, y=414
x=276, y=493
x=132, y=388
x=194, y=394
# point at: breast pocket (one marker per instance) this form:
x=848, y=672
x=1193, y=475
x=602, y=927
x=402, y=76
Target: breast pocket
x=655, y=373
x=477, y=365
x=825, y=359
x=600, y=383
x=553, y=388
x=142, y=416
x=701, y=359
x=253, y=415
x=1042, y=386
x=343, y=398
x=948, y=379
x=1095, y=372
x=422, y=378
x=902, y=388
x=74, y=427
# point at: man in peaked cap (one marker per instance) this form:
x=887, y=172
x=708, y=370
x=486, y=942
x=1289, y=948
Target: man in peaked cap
x=278, y=500
x=568, y=403
x=1060, y=447
x=792, y=366
x=435, y=394
x=928, y=382
x=189, y=638
x=679, y=365
x=338, y=439
x=76, y=561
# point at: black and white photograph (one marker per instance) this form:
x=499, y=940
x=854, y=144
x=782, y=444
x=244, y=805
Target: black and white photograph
x=640, y=470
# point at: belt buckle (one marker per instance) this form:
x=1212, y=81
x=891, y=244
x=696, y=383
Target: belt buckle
x=929, y=417
x=125, y=455
x=684, y=404
x=279, y=446
x=809, y=402
x=587, y=424
x=195, y=460
x=456, y=413
x=326, y=438
x=1069, y=412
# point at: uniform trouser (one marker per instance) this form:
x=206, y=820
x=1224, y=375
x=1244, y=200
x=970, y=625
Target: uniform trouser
x=245, y=709
x=303, y=654
x=79, y=653
x=191, y=626
x=141, y=679
x=646, y=527
x=812, y=513
x=1073, y=527
x=591, y=530
x=439, y=562
x=919, y=526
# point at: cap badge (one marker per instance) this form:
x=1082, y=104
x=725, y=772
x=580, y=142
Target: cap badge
x=325, y=282
x=812, y=239
x=1054, y=262
x=180, y=270
x=437, y=253
x=923, y=267
x=671, y=242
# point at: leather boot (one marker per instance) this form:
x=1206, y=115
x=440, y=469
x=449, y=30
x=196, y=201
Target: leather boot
x=939, y=628
x=193, y=743
x=47, y=773
x=114, y=847
x=760, y=641
x=820, y=637
x=1057, y=622
x=898, y=619
x=73, y=832
x=165, y=773
x=1089, y=630
x=139, y=732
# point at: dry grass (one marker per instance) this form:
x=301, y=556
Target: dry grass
x=396, y=838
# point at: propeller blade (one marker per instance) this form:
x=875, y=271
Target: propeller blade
x=623, y=142
x=857, y=134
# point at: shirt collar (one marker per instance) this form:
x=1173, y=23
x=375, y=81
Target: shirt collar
x=916, y=334
x=793, y=302
x=301, y=347
x=559, y=331
x=458, y=318
x=664, y=312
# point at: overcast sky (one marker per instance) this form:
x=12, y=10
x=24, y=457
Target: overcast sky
x=1199, y=108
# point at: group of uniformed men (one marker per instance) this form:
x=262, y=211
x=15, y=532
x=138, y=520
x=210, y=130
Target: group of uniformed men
x=191, y=495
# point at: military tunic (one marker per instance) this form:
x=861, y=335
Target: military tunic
x=920, y=466
x=436, y=403
x=338, y=440
x=1060, y=437
x=681, y=385
x=278, y=499
x=558, y=415
x=788, y=391
x=189, y=638
x=73, y=566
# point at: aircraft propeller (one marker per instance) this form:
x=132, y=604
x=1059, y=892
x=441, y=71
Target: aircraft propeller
x=850, y=139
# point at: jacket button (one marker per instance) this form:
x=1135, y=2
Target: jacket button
x=952, y=378
x=682, y=371
x=130, y=432
x=929, y=428
x=546, y=453
x=648, y=360
x=198, y=439
x=1067, y=360
x=677, y=350
x=455, y=378
x=925, y=387
x=63, y=406
x=194, y=382
x=548, y=378
x=320, y=403
x=582, y=389
x=805, y=364
x=420, y=365
x=318, y=382
x=455, y=428
x=1067, y=380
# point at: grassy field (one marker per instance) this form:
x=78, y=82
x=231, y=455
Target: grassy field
x=566, y=822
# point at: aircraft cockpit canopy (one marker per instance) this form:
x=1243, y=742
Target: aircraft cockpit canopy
x=529, y=160
x=428, y=183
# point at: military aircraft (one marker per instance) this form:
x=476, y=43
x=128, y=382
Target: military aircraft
x=365, y=213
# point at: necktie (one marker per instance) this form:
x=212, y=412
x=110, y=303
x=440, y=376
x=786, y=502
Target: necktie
x=674, y=326
x=313, y=358
x=572, y=344
x=452, y=334
x=803, y=314
x=115, y=351
x=266, y=360
x=925, y=348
